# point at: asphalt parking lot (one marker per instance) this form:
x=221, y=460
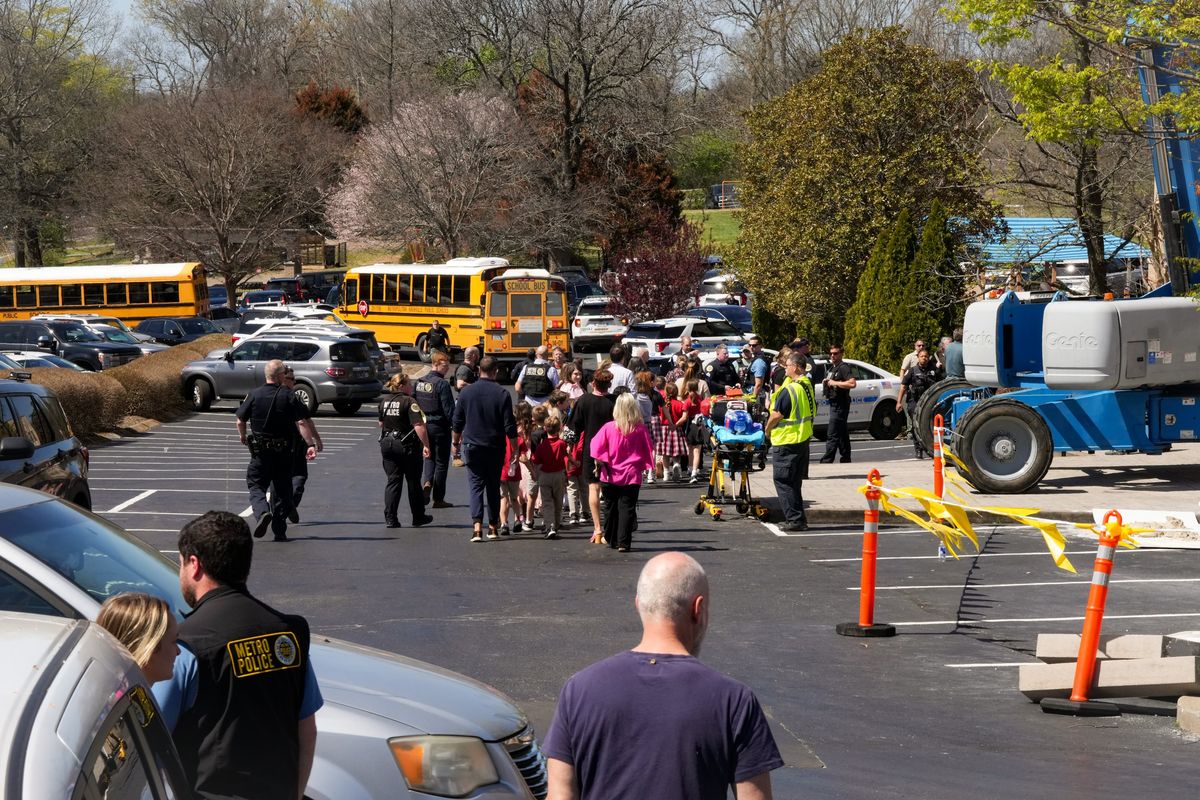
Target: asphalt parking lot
x=932, y=713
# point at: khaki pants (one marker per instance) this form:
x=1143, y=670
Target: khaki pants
x=552, y=487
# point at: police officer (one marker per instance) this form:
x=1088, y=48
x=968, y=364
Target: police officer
x=790, y=427
x=432, y=393
x=916, y=381
x=468, y=371
x=483, y=420
x=721, y=374
x=404, y=445
x=839, y=380
x=242, y=697
x=299, y=455
x=437, y=339
x=538, y=378
x=274, y=416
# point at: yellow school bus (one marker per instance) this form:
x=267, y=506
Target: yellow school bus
x=479, y=301
x=129, y=292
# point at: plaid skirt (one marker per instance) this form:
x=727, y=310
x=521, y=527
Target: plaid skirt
x=670, y=442
x=656, y=430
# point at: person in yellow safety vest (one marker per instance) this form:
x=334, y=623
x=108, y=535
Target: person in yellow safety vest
x=790, y=427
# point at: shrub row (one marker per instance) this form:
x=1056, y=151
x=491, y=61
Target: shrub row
x=96, y=402
x=693, y=198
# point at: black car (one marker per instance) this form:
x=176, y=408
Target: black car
x=175, y=330
x=218, y=297
x=73, y=341
x=224, y=318
x=735, y=315
x=37, y=447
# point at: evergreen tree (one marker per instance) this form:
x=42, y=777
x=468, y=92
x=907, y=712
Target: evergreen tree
x=874, y=316
x=773, y=331
x=941, y=293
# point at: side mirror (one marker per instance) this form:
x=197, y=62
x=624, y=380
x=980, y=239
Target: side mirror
x=47, y=343
x=16, y=447
x=229, y=356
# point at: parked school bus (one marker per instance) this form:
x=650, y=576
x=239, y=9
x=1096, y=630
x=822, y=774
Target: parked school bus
x=129, y=292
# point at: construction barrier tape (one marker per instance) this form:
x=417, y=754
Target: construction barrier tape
x=948, y=521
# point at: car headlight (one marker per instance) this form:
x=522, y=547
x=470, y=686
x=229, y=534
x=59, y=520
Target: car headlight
x=449, y=766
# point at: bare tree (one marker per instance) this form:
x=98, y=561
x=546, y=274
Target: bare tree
x=54, y=86
x=377, y=53
x=454, y=171
x=219, y=178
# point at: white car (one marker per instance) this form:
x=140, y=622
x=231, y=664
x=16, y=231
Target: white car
x=31, y=359
x=595, y=328
x=383, y=354
x=661, y=336
x=723, y=289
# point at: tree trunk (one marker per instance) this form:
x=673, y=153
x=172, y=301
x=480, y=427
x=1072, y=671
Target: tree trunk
x=18, y=241
x=33, y=243
x=1089, y=193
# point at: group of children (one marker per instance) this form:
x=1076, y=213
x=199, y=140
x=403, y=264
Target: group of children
x=547, y=470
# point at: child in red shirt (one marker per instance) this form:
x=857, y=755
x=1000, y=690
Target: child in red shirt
x=553, y=458
x=510, y=484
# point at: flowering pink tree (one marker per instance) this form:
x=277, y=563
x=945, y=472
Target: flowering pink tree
x=658, y=275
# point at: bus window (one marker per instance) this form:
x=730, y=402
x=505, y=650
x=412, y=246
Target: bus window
x=498, y=305
x=526, y=305
x=72, y=295
x=446, y=290
x=403, y=289
x=167, y=292
x=554, y=304
x=93, y=294
x=350, y=292
x=114, y=294
x=390, y=288
x=26, y=297
x=48, y=296
x=462, y=291
x=377, y=288
x=6, y=296
x=418, y=289
x=139, y=293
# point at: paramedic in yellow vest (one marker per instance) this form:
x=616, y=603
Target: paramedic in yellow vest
x=789, y=427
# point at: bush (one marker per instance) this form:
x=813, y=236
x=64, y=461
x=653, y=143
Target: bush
x=693, y=199
x=94, y=402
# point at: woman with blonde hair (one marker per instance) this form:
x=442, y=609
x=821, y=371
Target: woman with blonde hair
x=147, y=628
x=622, y=449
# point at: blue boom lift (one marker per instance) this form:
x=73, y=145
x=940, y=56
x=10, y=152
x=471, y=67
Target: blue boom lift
x=1083, y=374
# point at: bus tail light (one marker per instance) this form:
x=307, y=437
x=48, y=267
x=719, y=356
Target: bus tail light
x=556, y=323
x=337, y=372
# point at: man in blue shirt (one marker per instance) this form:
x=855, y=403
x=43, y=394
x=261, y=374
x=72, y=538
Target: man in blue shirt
x=655, y=722
x=954, y=356
x=242, y=699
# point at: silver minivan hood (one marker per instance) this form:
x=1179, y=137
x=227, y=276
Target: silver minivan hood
x=419, y=695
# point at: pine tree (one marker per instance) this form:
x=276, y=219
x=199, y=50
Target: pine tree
x=942, y=294
x=872, y=318
x=774, y=332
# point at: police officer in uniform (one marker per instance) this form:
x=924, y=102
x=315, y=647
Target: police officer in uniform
x=839, y=380
x=404, y=445
x=916, y=381
x=299, y=455
x=538, y=379
x=432, y=393
x=721, y=374
x=790, y=428
x=468, y=371
x=437, y=339
x=485, y=428
x=275, y=417
x=242, y=697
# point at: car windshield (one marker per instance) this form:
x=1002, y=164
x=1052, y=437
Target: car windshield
x=719, y=327
x=114, y=335
x=36, y=361
x=198, y=325
x=76, y=333
x=328, y=317
x=736, y=314
x=98, y=557
x=55, y=361
x=644, y=331
x=8, y=363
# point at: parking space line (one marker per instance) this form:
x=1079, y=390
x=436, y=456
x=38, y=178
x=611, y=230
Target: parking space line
x=233, y=436
x=991, y=664
x=1083, y=582
x=153, y=513
x=164, y=469
x=1018, y=620
x=248, y=512
x=189, y=490
x=122, y=506
x=155, y=530
x=968, y=556
x=145, y=478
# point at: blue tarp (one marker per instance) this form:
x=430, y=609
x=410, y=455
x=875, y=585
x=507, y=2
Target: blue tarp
x=1038, y=240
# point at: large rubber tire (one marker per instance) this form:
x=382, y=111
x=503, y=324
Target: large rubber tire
x=426, y=357
x=886, y=420
x=1005, y=445
x=347, y=408
x=306, y=395
x=937, y=400
x=200, y=393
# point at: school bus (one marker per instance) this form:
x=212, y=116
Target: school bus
x=399, y=302
x=129, y=292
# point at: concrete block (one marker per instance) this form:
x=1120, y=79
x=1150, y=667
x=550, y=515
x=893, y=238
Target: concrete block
x=1185, y=643
x=1187, y=715
x=1054, y=648
x=1138, y=677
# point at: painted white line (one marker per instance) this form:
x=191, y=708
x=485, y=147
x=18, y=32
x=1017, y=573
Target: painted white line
x=773, y=528
x=233, y=436
x=155, y=530
x=154, y=513
x=122, y=506
x=145, y=478
x=184, y=470
x=167, y=552
x=966, y=556
x=851, y=533
x=1011, y=585
x=994, y=664
x=189, y=490
x=1018, y=620
x=248, y=512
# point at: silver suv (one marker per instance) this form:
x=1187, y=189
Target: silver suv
x=329, y=369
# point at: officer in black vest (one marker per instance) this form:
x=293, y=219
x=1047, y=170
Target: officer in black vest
x=433, y=394
x=243, y=691
x=721, y=373
x=916, y=381
x=275, y=417
x=538, y=378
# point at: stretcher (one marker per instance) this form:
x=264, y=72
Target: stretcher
x=738, y=447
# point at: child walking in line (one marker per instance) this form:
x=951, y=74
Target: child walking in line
x=671, y=446
x=552, y=459
x=695, y=433
x=536, y=434
x=576, y=488
x=510, y=485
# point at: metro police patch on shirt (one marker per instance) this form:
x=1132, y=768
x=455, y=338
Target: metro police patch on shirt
x=708, y=368
x=258, y=655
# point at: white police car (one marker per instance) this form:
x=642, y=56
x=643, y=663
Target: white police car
x=595, y=328
x=661, y=336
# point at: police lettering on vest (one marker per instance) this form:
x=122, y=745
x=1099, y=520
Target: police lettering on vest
x=536, y=381
x=797, y=426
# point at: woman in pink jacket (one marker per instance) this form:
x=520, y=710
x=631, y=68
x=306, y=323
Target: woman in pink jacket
x=622, y=451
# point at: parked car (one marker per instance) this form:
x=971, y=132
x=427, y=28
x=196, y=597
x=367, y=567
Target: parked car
x=329, y=369
x=176, y=330
x=735, y=315
x=218, y=297
x=124, y=337
x=59, y=561
x=72, y=341
x=93, y=319
x=594, y=328
x=386, y=359
x=9, y=363
x=307, y=287
x=661, y=336
x=723, y=289
x=36, y=359
x=38, y=449
x=76, y=716
x=257, y=318
x=262, y=297
x=224, y=318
